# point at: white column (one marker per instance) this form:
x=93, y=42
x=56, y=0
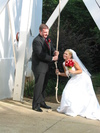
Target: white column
x=21, y=59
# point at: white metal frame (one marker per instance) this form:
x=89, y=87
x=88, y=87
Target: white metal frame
x=93, y=7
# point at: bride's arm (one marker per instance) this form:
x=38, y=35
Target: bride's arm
x=61, y=73
x=77, y=67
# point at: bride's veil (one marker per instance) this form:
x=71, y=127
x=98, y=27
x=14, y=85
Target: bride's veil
x=76, y=58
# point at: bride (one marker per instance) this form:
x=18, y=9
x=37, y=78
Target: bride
x=78, y=97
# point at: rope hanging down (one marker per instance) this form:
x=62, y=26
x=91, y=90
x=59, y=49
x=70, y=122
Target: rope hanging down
x=57, y=50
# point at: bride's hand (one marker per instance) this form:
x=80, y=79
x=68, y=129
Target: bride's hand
x=57, y=72
x=71, y=71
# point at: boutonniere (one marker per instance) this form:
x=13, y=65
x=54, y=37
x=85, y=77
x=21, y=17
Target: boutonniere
x=49, y=41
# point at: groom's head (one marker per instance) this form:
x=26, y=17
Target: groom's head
x=44, y=30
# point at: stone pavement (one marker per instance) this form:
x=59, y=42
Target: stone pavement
x=17, y=117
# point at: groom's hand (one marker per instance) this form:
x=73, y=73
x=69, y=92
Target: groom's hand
x=56, y=53
x=54, y=58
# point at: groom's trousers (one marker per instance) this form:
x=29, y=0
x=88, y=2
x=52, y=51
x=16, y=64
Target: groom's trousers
x=41, y=80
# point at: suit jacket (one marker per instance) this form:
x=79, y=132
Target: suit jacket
x=41, y=55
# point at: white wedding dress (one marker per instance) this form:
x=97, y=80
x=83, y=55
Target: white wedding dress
x=78, y=97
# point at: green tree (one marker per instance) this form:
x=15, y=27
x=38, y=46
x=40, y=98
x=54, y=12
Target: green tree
x=77, y=31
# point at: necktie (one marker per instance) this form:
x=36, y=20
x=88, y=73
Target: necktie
x=47, y=43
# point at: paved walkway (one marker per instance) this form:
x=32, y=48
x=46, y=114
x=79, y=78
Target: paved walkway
x=16, y=117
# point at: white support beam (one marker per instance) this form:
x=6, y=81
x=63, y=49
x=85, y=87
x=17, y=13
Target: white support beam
x=55, y=14
x=12, y=28
x=94, y=9
x=21, y=59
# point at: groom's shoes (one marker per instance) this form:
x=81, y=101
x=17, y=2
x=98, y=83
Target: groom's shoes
x=45, y=106
x=38, y=109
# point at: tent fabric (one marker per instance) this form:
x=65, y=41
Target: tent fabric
x=7, y=64
x=3, y=4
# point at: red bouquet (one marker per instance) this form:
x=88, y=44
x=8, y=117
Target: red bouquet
x=69, y=63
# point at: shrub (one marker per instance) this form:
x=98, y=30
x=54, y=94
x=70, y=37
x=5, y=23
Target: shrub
x=28, y=90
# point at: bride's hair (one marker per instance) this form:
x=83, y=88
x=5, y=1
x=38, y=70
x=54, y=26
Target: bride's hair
x=70, y=53
x=76, y=58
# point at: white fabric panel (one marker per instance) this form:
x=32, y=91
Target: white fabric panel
x=36, y=17
x=6, y=49
x=98, y=2
x=6, y=78
x=3, y=4
x=7, y=66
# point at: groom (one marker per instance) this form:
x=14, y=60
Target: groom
x=43, y=53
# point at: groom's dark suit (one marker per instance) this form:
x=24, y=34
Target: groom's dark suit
x=41, y=57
